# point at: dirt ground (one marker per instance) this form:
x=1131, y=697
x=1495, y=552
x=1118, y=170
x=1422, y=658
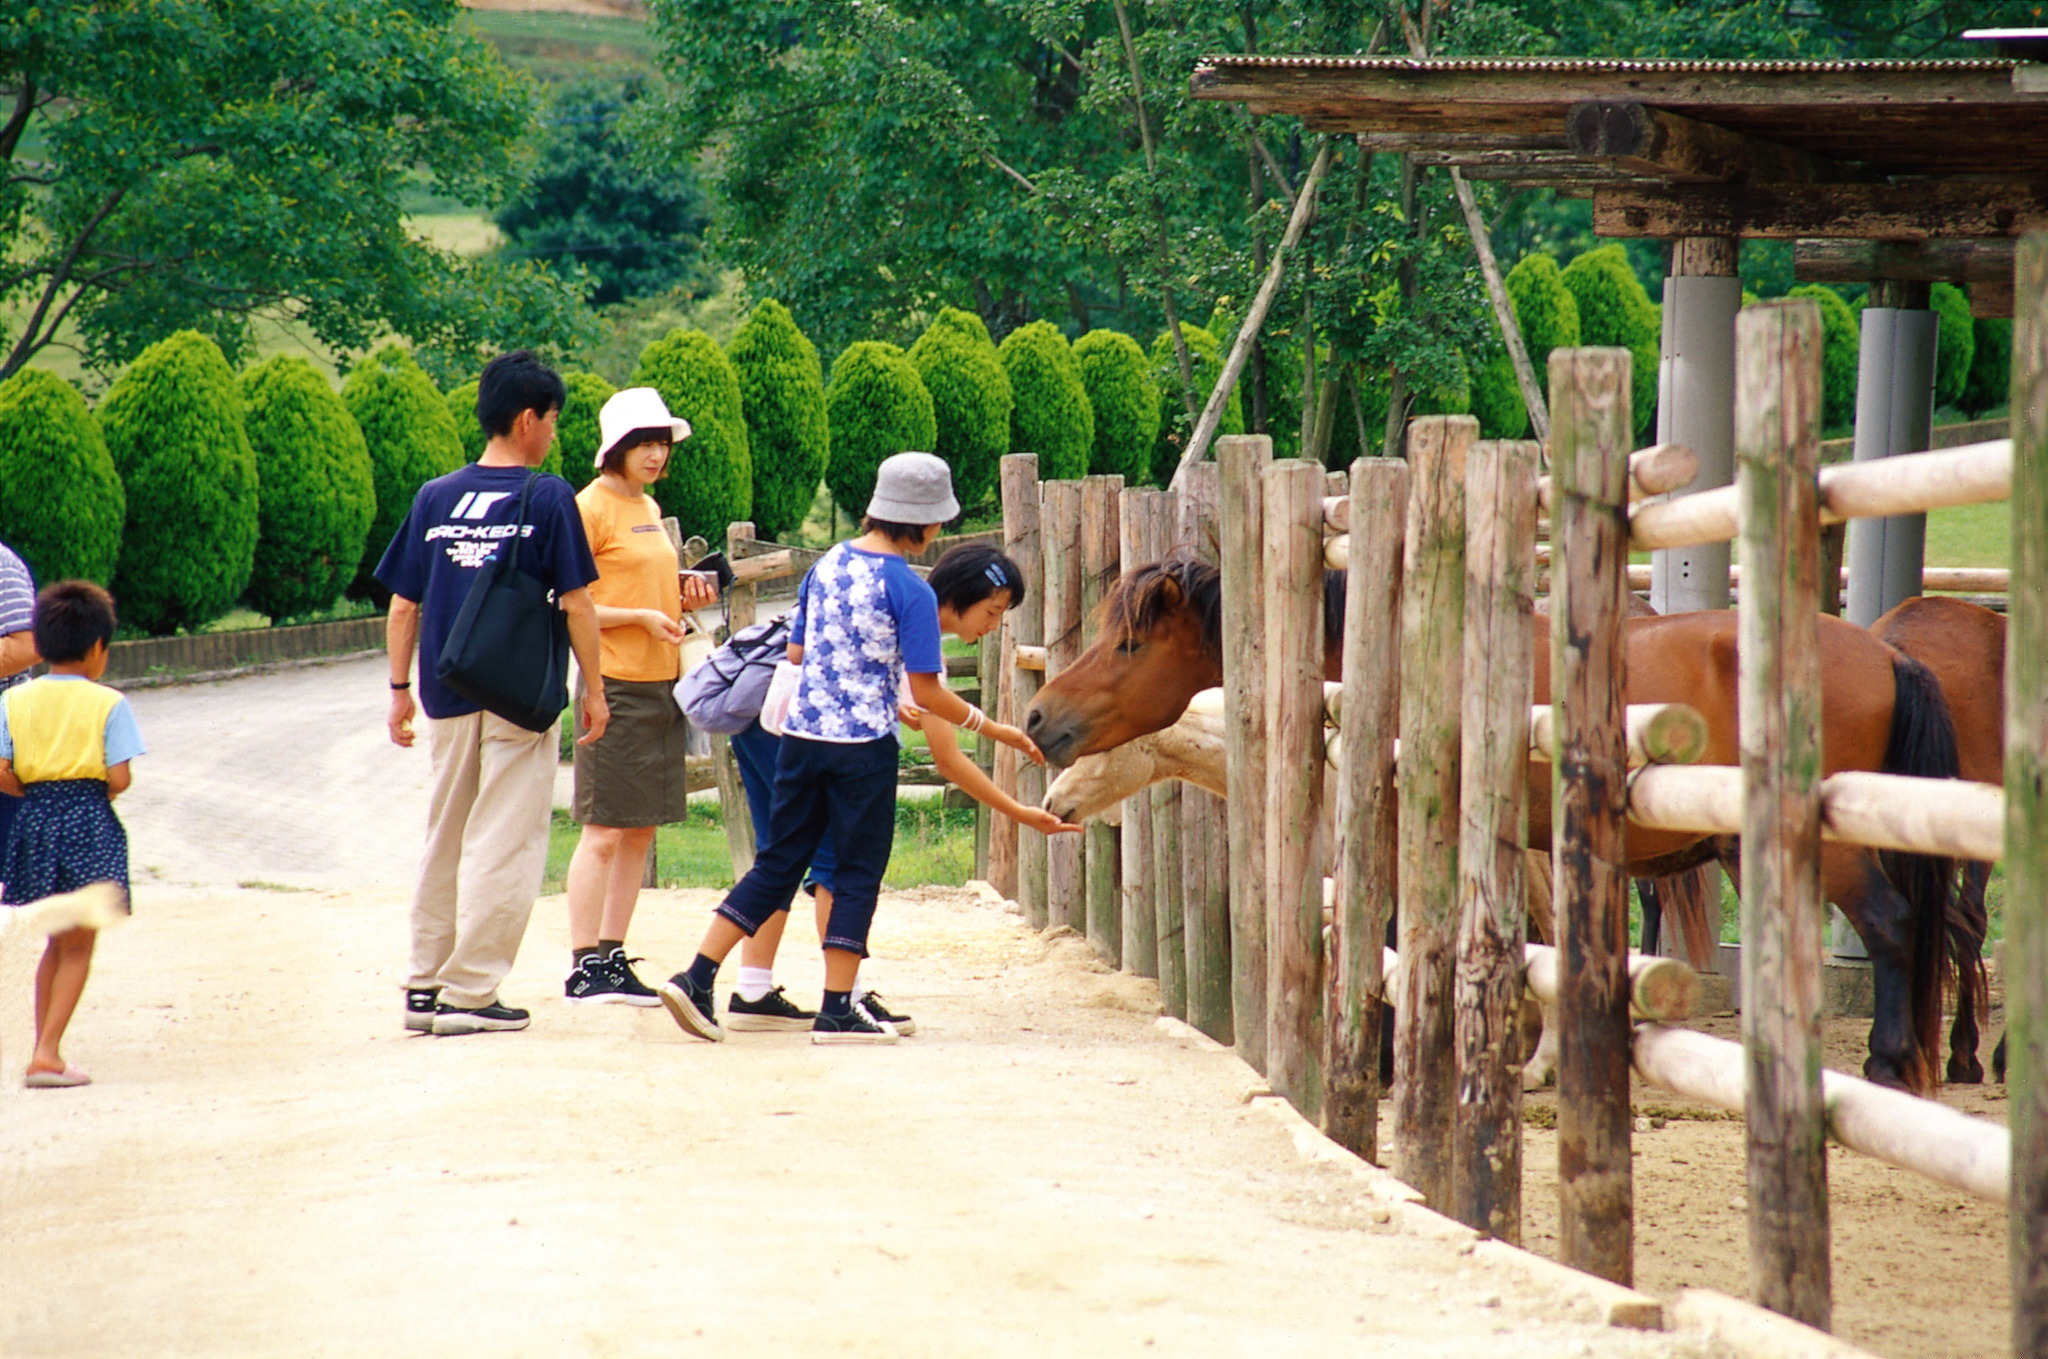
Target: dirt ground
x=267, y=1164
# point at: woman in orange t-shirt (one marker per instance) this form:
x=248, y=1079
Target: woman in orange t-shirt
x=632, y=780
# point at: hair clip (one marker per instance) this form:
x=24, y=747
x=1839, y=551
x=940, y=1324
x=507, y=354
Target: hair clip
x=995, y=574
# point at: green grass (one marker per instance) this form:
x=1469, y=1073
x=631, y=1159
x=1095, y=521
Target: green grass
x=560, y=47
x=934, y=845
x=1970, y=535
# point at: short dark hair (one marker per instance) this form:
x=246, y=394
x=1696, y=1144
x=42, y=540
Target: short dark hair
x=512, y=383
x=615, y=456
x=70, y=616
x=889, y=528
x=972, y=572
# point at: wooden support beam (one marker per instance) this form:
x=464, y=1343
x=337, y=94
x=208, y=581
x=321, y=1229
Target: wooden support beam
x=1205, y=876
x=1397, y=143
x=1650, y=141
x=1991, y=300
x=1241, y=460
x=1874, y=212
x=1944, y=261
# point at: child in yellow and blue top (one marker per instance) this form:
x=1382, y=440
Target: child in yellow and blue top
x=65, y=744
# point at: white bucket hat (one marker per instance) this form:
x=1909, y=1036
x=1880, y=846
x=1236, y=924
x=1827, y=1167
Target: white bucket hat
x=914, y=488
x=631, y=409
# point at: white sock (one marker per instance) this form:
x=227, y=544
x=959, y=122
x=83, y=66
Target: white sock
x=755, y=982
x=860, y=988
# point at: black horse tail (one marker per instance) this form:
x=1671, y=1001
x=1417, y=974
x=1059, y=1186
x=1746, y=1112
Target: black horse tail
x=1923, y=744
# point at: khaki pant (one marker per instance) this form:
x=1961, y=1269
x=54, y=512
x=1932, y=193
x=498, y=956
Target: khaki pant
x=487, y=846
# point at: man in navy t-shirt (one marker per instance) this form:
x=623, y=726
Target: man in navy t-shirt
x=493, y=784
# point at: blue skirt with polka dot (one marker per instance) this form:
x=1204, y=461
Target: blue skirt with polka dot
x=65, y=836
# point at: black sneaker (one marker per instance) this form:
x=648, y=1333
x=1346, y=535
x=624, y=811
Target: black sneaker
x=852, y=1027
x=607, y=981
x=419, y=1008
x=871, y=1005
x=632, y=991
x=771, y=1013
x=492, y=1018
x=696, y=1010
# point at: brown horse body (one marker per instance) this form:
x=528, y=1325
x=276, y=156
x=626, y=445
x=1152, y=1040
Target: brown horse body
x=1159, y=644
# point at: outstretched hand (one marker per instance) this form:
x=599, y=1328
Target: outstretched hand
x=1043, y=821
x=1017, y=740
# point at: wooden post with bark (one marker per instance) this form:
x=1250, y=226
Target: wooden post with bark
x=1024, y=626
x=732, y=794
x=2026, y=806
x=1102, y=854
x=1139, y=519
x=1059, y=519
x=1589, y=447
x=1500, y=601
x=1367, y=824
x=1432, y=665
x=1777, y=446
x=1205, y=873
x=1292, y=503
x=1241, y=460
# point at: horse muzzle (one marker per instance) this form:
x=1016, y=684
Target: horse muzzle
x=1057, y=736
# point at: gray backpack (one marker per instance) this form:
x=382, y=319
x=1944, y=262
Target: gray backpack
x=724, y=693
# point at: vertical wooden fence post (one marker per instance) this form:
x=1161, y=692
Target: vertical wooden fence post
x=1240, y=461
x=1137, y=530
x=732, y=796
x=988, y=659
x=1102, y=852
x=1024, y=626
x=1292, y=500
x=1432, y=666
x=1777, y=443
x=1367, y=824
x=1500, y=600
x=1589, y=447
x=2026, y=806
x=1205, y=873
x=1059, y=520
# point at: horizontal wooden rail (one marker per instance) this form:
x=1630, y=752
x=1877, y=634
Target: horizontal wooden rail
x=1951, y=817
x=1973, y=580
x=1654, y=471
x=1659, y=988
x=1658, y=733
x=1973, y=1155
x=1031, y=658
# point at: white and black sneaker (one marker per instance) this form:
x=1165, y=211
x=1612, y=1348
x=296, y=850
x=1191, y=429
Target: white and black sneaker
x=851, y=1027
x=419, y=1008
x=694, y=1009
x=607, y=981
x=772, y=1013
x=492, y=1018
x=870, y=1004
x=632, y=991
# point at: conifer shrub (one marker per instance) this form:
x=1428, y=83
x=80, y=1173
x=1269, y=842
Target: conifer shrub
x=1049, y=414
x=877, y=407
x=1117, y=375
x=782, y=393
x=1205, y=356
x=574, y=454
x=1839, y=343
x=1956, y=347
x=469, y=429
x=411, y=438
x=173, y=425
x=318, y=493
x=1544, y=308
x=1615, y=309
x=61, y=503
x=971, y=401
x=1497, y=400
x=710, y=480
x=1990, y=382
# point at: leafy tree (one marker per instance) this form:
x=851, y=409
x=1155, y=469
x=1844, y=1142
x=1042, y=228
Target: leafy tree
x=1207, y=356
x=1497, y=400
x=1447, y=391
x=1990, y=383
x=1116, y=375
x=574, y=454
x=782, y=391
x=589, y=209
x=1544, y=307
x=1050, y=415
x=710, y=478
x=1955, y=345
x=173, y=423
x=318, y=494
x=1614, y=309
x=411, y=438
x=971, y=400
x=877, y=407
x=61, y=503
x=1839, y=343
x=188, y=164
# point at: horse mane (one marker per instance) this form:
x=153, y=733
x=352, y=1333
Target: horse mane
x=1140, y=601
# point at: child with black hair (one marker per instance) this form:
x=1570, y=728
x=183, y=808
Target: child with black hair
x=65, y=744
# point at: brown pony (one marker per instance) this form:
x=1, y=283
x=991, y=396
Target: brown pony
x=1160, y=643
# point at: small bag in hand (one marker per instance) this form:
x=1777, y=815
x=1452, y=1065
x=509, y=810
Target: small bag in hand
x=508, y=651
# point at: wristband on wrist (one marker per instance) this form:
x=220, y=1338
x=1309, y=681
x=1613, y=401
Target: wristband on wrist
x=401, y=684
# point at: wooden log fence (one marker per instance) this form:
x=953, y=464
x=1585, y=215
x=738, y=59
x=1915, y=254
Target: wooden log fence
x=1101, y=847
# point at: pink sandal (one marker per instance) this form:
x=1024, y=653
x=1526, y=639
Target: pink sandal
x=56, y=1080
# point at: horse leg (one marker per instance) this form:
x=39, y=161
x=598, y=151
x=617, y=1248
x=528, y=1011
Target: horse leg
x=1967, y=934
x=1884, y=920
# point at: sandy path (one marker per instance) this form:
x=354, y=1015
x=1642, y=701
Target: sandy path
x=268, y=1165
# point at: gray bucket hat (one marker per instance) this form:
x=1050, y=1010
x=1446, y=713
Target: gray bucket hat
x=914, y=488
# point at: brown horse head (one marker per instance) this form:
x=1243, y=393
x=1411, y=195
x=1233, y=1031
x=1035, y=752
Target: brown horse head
x=1158, y=644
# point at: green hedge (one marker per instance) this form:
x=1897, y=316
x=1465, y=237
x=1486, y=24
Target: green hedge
x=1205, y=356
x=1050, y=415
x=411, y=438
x=574, y=451
x=971, y=401
x=462, y=410
x=1839, y=343
x=782, y=392
x=710, y=479
x=1990, y=384
x=1117, y=375
x=173, y=424
x=1545, y=310
x=1956, y=348
x=318, y=493
x=1497, y=400
x=877, y=407
x=61, y=503
x=1614, y=309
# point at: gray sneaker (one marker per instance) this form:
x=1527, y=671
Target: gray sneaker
x=492, y=1018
